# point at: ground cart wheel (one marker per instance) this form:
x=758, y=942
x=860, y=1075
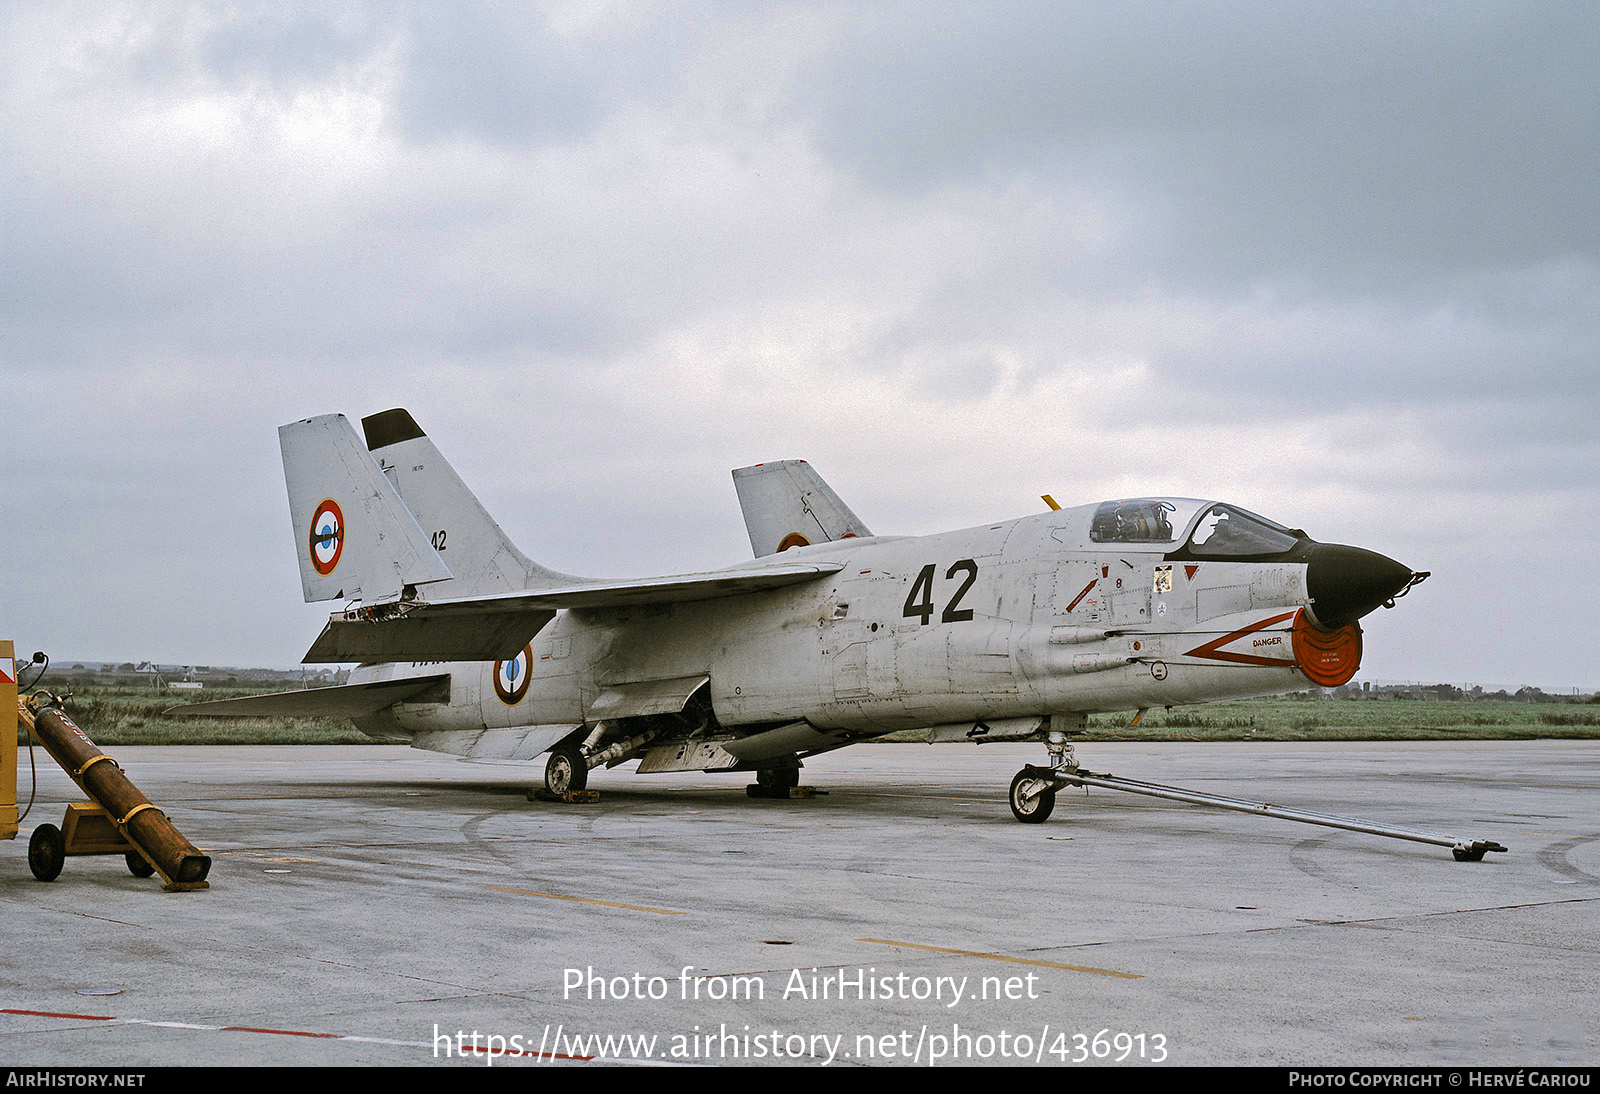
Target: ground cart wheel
x=47, y=852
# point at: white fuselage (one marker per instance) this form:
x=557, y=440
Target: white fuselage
x=1003, y=621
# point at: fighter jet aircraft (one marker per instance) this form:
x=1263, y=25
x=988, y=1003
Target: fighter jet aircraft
x=831, y=635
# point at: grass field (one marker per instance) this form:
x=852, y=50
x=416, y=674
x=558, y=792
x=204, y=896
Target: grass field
x=1354, y=720
x=125, y=715
x=113, y=715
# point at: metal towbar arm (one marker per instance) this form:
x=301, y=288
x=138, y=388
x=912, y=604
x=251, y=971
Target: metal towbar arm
x=1465, y=850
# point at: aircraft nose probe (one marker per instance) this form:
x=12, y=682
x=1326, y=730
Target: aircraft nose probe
x=1345, y=583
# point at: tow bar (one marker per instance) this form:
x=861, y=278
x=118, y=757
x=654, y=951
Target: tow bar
x=1034, y=789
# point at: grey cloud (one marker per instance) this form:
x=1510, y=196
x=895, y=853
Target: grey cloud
x=282, y=42
x=1366, y=147
x=496, y=74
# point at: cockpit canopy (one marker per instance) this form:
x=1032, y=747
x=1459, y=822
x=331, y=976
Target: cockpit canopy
x=1224, y=531
x=1145, y=520
x=1214, y=530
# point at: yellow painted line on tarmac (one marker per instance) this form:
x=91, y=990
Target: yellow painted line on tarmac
x=586, y=900
x=1008, y=960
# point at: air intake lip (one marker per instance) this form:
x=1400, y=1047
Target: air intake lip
x=1329, y=658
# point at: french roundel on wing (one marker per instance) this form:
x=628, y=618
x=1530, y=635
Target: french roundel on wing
x=327, y=536
x=511, y=677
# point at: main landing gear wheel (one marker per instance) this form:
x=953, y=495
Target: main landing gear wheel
x=1029, y=804
x=47, y=852
x=567, y=770
x=777, y=778
x=137, y=866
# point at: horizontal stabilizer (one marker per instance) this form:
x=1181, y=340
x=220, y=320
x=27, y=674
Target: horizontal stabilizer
x=495, y=628
x=344, y=701
x=425, y=635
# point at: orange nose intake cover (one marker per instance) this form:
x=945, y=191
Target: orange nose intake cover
x=1328, y=658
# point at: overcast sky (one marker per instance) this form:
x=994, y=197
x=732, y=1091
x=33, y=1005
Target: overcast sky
x=1335, y=262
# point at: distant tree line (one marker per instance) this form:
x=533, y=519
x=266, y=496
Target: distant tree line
x=1449, y=692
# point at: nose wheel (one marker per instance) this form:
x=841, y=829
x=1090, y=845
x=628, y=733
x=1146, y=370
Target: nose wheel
x=1033, y=791
x=1033, y=795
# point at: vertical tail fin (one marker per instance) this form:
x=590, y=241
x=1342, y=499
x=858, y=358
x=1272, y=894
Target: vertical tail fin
x=356, y=540
x=786, y=504
x=481, y=558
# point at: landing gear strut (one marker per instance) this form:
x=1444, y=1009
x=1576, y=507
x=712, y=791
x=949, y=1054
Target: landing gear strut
x=1033, y=791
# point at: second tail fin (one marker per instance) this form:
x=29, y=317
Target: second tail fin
x=786, y=504
x=481, y=557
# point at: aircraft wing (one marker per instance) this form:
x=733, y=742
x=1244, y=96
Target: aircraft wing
x=344, y=701
x=497, y=627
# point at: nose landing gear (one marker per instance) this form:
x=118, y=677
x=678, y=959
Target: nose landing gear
x=1033, y=798
x=1033, y=790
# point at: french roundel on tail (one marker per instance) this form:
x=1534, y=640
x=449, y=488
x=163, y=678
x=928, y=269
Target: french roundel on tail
x=327, y=537
x=358, y=541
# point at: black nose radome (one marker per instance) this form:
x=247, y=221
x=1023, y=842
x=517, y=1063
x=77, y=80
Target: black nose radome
x=1345, y=583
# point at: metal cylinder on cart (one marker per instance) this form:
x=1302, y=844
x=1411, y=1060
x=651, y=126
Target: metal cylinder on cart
x=99, y=776
x=8, y=742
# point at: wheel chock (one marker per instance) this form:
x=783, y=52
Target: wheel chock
x=783, y=793
x=571, y=797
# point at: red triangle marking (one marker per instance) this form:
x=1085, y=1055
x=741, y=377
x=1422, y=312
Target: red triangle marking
x=1213, y=649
